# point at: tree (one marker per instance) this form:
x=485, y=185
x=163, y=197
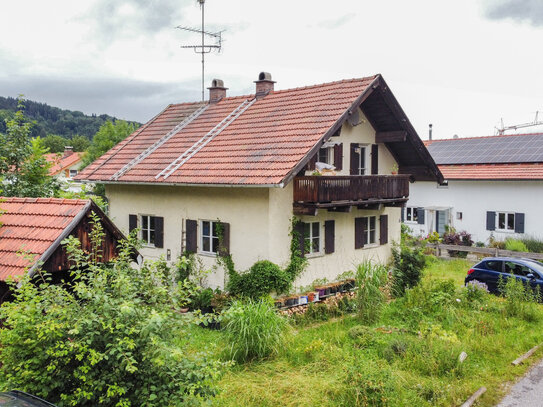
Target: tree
x=80, y=143
x=24, y=171
x=108, y=136
x=55, y=143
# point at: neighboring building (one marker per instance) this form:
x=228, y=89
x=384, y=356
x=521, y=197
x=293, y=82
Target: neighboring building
x=493, y=186
x=65, y=166
x=32, y=229
x=248, y=162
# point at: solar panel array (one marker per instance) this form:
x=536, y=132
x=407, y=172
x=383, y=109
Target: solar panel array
x=526, y=148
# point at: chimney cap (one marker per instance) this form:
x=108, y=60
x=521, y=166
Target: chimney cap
x=264, y=77
x=217, y=84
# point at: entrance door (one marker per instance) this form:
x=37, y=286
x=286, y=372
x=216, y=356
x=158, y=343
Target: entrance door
x=441, y=221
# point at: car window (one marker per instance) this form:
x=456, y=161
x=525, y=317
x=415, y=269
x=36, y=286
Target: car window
x=537, y=266
x=517, y=269
x=494, y=265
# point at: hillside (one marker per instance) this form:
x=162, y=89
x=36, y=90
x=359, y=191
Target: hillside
x=53, y=120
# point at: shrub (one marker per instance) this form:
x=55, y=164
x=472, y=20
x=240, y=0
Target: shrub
x=103, y=339
x=408, y=264
x=202, y=299
x=363, y=336
x=533, y=244
x=519, y=298
x=515, y=245
x=475, y=292
x=253, y=330
x=460, y=239
x=370, y=298
x=262, y=278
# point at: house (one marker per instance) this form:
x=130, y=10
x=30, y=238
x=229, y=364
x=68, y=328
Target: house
x=493, y=187
x=32, y=229
x=252, y=163
x=64, y=167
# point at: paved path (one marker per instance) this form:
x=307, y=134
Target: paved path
x=528, y=391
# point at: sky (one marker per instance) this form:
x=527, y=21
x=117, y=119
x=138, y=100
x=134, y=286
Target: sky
x=462, y=65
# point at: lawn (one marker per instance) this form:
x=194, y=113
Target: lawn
x=410, y=357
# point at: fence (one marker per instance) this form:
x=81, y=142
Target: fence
x=488, y=251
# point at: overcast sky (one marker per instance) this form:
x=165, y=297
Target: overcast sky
x=461, y=65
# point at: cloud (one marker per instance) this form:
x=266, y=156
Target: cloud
x=123, y=98
x=519, y=10
x=336, y=22
x=122, y=18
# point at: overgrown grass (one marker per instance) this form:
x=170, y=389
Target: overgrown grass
x=408, y=357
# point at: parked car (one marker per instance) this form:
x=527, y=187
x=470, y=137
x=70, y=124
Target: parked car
x=15, y=398
x=490, y=269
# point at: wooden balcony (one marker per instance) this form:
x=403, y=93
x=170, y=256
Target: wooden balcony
x=343, y=192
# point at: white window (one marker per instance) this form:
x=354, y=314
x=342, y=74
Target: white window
x=326, y=155
x=506, y=221
x=369, y=223
x=148, y=229
x=210, y=236
x=312, y=237
x=411, y=214
x=361, y=150
x=73, y=173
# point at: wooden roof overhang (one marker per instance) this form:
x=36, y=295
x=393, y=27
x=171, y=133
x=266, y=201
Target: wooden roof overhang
x=392, y=128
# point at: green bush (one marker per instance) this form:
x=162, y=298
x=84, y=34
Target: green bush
x=362, y=335
x=515, y=245
x=262, y=278
x=533, y=244
x=370, y=298
x=519, y=298
x=408, y=263
x=253, y=329
x=103, y=339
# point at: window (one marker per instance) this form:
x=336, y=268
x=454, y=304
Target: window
x=325, y=155
x=506, y=221
x=312, y=237
x=368, y=224
x=362, y=161
x=73, y=173
x=517, y=269
x=210, y=236
x=494, y=265
x=148, y=229
x=411, y=214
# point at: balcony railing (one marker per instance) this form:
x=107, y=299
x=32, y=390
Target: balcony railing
x=353, y=188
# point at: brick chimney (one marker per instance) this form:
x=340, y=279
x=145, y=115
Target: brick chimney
x=264, y=85
x=217, y=91
x=68, y=151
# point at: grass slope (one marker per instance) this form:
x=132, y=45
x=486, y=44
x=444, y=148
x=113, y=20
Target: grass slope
x=410, y=358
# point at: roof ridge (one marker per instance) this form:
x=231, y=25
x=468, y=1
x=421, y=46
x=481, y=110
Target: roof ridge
x=64, y=201
x=484, y=137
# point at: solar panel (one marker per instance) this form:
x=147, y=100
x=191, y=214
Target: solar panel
x=489, y=150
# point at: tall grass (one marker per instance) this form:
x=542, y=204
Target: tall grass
x=253, y=330
x=515, y=245
x=370, y=279
x=534, y=244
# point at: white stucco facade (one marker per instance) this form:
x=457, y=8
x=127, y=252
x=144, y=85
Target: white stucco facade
x=259, y=219
x=465, y=203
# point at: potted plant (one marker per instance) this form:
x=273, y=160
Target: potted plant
x=394, y=169
x=311, y=296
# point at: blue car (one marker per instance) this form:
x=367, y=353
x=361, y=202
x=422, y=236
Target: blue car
x=15, y=398
x=489, y=270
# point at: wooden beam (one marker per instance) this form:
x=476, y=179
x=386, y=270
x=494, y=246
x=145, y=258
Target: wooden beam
x=305, y=210
x=345, y=209
x=390, y=136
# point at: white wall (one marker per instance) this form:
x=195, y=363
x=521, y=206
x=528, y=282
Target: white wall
x=474, y=198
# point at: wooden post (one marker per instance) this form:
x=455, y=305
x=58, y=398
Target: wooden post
x=469, y=402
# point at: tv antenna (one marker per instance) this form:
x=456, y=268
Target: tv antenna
x=501, y=130
x=203, y=48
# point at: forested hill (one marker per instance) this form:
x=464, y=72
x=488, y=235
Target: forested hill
x=53, y=120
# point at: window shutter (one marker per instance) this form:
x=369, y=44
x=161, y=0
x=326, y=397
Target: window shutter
x=159, y=231
x=403, y=214
x=225, y=247
x=383, y=229
x=354, y=159
x=312, y=161
x=359, y=233
x=299, y=229
x=329, y=236
x=420, y=216
x=491, y=221
x=338, y=156
x=132, y=222
x=519, y=223
x=374, y=159
x=191, y=236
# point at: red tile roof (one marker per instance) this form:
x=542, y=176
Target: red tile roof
x=60, y=162
x=31, y=225
x=261, y=147
x=523, y=171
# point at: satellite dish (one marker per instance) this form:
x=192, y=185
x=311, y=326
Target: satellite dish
x=353, y=118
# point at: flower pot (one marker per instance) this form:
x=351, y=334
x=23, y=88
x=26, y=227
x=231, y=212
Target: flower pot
x=311, y=297
x=302, y=299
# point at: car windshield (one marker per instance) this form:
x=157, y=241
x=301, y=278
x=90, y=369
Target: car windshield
x=537, y=266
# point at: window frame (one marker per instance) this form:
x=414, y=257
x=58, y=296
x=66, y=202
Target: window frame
x=329, y=155
x=212, y=236
x=367, y=231
x=72, y=175
x=362, y=159
x=309, y=248
x=412, y=217
x=147, y=231
x=509, y=228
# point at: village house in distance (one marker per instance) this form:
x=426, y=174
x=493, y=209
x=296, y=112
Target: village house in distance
x=327, y=154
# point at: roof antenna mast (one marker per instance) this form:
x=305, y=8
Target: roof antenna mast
x=204, y=48
x=501, y=130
